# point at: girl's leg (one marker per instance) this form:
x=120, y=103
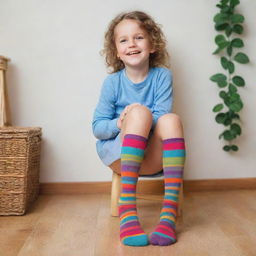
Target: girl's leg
x=170, y=130
x=134, y=132
x=167, y=125
x=152, y=162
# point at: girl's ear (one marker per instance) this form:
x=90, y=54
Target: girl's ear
x=152, y=48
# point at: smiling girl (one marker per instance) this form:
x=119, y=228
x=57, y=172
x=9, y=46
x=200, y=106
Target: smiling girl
x=136, y=131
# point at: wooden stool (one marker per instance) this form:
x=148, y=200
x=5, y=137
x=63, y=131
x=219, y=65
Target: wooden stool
x=116, y=190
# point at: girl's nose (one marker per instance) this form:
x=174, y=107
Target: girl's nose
x=131, y=43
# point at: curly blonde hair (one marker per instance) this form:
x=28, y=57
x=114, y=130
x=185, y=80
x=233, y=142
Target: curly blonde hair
x=160, y=58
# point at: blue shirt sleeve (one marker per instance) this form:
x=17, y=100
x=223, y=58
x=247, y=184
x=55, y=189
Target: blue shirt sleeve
x=104, y=123
x=163, y=100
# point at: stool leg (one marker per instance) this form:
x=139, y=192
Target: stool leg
x=115, y=193
x=180, y=201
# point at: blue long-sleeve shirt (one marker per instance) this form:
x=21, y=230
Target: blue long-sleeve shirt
x=155, y=92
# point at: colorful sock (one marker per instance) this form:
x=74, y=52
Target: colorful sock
x=132, y=154
x=173, y=162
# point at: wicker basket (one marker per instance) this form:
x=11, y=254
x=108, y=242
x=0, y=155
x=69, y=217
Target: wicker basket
x=19, y=168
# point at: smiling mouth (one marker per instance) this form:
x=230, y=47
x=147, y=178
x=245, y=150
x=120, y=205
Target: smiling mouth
x=133, y=53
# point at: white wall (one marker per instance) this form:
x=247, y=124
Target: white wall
x=56, y=74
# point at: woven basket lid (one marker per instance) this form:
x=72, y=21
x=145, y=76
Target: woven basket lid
x=20, y=131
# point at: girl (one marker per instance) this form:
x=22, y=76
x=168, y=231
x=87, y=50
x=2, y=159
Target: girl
x=136, y=132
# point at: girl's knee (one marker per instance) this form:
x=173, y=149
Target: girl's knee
x=169, y=118
x=138, y=120
x=140, y=112
x=169, y=125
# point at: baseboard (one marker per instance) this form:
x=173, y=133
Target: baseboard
x=75, y=187
x=147, y=186
x=219, y=184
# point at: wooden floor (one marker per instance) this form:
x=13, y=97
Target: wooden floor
x=214, y=223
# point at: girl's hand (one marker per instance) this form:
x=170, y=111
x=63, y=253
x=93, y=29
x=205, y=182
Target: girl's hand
x=124, y=113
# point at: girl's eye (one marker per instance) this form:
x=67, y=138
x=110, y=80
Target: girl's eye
x=139, y=37
x=122, y=40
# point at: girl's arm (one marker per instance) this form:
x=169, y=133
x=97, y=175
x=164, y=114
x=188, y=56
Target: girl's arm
x=164, y=98
x=104, y=123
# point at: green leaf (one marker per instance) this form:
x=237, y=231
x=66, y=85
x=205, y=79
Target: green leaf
x=217, y=77
x=232, y=88
x=223, y=94
x=236, y=106
x=227, y=101
x=220, y=118
x=218, y=108
x=226, y=148
x=241, y=58
x=234, y=97
x=224, y=2
x=226, y=10
x=229, y=50
x=228, y=135
x=222, y=84
x=228, y=30
x=231, y=67
x=234, y=148
x=237, y=18
x=224, y=62
x=220, y=79
x=230, y=113
x=222, y=43
x=221, y=17
x=237, y=42
x=219, y=49
x=233, y=3
x=220, y=39
x=238, y=81
x=235, y=128
x=227, y=121
x=220, y=26
x=234, y=115
x=238, y=29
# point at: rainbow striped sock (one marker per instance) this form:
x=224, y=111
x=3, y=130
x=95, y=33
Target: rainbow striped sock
x=173, y=162
x=132, y=154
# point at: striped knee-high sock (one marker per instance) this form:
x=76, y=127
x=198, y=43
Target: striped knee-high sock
x=132, y=154
x=173, y=163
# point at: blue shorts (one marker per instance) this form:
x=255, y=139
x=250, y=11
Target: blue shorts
x=109, y=150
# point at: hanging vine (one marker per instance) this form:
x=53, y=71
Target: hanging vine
x=229, y=25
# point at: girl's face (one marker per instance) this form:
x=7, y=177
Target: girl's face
x=132, y=44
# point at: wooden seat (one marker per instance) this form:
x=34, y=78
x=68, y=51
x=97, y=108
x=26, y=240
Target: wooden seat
x=116, y=190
